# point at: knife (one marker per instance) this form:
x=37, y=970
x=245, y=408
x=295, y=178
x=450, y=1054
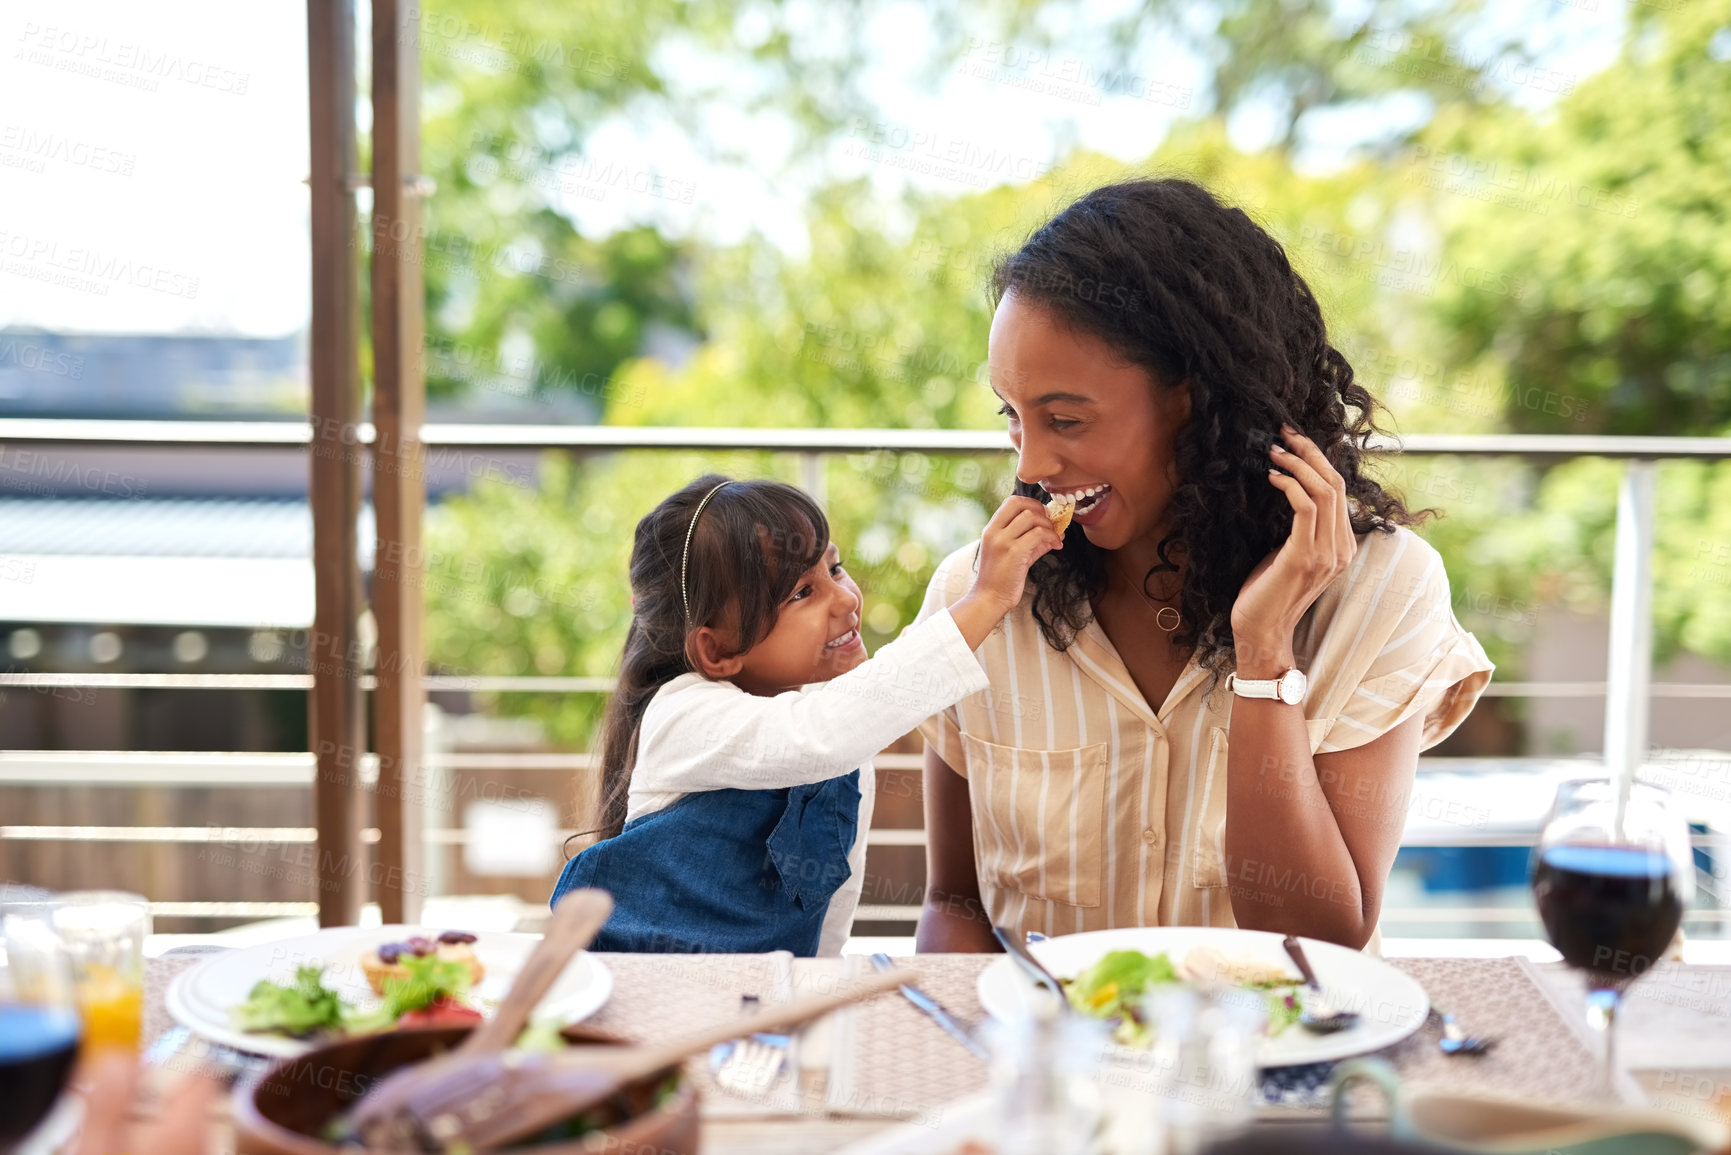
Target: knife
x=935, y=1011
x=1033, y=967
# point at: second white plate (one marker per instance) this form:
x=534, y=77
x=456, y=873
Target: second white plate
x=1391, y=1005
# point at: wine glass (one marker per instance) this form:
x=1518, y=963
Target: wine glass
x=39, y=1020
x=1612, y=875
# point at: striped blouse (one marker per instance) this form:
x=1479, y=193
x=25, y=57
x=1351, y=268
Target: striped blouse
x=1091, y=810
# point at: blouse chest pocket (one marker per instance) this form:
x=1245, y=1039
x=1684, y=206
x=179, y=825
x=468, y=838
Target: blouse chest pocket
x=1208, y=867
x=1039, y=818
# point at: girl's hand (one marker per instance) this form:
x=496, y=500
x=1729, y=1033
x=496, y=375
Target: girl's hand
x=1285, y=583
x=1018, y=535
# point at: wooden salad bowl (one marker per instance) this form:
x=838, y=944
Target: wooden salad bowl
x=284, y=1111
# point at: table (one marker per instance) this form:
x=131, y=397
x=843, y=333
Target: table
x=867, y=1068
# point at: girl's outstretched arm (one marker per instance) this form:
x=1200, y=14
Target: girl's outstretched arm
x=703, y=735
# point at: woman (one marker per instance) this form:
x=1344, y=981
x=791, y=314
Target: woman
x=1147, y=754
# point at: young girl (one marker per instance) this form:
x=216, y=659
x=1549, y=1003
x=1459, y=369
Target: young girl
x=736, y=774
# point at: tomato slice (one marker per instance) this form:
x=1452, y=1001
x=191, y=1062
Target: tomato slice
x=442, y=1011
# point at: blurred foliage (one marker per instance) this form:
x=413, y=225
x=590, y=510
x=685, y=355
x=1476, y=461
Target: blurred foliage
x=1612, y=211
x=1459, y=303
x=1292, y=57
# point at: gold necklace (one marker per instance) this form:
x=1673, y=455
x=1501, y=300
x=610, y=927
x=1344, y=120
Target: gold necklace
x=1160, y=613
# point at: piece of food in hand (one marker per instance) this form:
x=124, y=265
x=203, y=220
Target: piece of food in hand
x=299, y=1009
x=386, y=962
x=1061, y=511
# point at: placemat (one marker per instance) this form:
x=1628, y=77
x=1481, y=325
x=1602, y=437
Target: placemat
x=657, y=997
x=158, y=973
x=889, y=1059
x=1674, y=1017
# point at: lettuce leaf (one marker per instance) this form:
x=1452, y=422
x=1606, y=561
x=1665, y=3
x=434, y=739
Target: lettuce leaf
x=1118, y=980
x=298, y=1009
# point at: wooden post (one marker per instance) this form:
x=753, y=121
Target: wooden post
x=399, y=486
x=333, y=652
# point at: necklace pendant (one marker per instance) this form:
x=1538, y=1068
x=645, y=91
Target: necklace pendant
x=1167, y=623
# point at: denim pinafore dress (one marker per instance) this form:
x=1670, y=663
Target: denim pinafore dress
x=724, y=871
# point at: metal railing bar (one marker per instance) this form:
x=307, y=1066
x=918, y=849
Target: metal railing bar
x=484, y=683
x=164, y=768
x=159, y=681
x=242, y=770
x=242, y=909
x=457, y=836
x=230, y=434
x=171, y=834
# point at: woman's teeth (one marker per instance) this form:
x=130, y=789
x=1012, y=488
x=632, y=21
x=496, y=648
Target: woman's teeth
x=1083, y=499
x=842, y=641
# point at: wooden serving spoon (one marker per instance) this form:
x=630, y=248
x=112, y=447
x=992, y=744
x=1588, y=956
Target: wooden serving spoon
x=490, y=1101
x=577, y=918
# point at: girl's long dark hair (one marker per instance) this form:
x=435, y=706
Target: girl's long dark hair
x=752, y=545
x=1198, y=294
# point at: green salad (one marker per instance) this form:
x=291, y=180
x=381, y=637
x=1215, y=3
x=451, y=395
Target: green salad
x=306, y=1008
x=299, y=1009
x=1114, y=988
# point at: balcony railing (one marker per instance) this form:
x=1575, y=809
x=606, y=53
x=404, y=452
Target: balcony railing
x=1627, y=692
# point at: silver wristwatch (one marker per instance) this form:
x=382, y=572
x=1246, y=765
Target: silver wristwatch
x=1290, y=687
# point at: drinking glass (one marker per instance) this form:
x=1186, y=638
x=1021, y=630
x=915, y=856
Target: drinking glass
x=1205, y=1042
x=1043, y=1071
x=1612, y=874
x=103, y=932
x=39, y=1024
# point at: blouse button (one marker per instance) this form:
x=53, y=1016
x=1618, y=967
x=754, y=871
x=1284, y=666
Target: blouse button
x=1151, y=836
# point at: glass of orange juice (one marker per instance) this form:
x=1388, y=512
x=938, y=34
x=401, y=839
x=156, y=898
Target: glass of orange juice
x=103, y=932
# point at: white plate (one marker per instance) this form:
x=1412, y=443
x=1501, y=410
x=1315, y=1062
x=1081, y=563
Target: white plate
x=201, y=997
x=1390, y=1004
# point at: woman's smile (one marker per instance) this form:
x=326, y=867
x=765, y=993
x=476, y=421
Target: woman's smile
x=1091, y=510
x=1089, y=502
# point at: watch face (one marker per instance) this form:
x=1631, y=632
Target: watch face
x=1292, y=687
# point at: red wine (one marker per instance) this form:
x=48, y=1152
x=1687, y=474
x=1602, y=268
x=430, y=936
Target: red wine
x=1610, y=910
x=37, y=1047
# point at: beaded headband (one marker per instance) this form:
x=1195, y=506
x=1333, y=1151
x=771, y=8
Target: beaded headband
x=685, y=561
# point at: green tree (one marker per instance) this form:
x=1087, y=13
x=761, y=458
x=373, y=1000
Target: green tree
x=1612, y=209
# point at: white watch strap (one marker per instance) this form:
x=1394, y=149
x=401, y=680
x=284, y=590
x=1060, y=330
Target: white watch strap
x=1253, y=687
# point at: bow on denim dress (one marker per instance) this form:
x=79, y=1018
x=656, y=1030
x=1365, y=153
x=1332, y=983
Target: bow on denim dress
x=724, y=871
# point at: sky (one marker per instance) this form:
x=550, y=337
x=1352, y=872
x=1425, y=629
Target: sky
x=153, y=157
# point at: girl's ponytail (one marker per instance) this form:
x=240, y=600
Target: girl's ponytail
x=643, y=670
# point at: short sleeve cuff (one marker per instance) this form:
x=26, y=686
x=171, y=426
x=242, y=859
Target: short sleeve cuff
x=1443, y=691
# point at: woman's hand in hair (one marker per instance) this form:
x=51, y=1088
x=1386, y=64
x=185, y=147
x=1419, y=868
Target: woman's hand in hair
x=1286, y=582
x=1018, y=535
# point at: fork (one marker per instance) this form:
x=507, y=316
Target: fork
x=749, y=1067
x=1456, y=1041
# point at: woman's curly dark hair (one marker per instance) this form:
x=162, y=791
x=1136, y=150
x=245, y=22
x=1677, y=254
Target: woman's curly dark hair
x=1197, y=293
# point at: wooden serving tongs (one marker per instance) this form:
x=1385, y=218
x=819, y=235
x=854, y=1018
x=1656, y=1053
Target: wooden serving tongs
x=480, y=1099
x=577, y=918
x=494, y=1100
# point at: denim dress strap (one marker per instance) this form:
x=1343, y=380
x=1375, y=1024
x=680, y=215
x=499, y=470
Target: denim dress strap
x=725, y=871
